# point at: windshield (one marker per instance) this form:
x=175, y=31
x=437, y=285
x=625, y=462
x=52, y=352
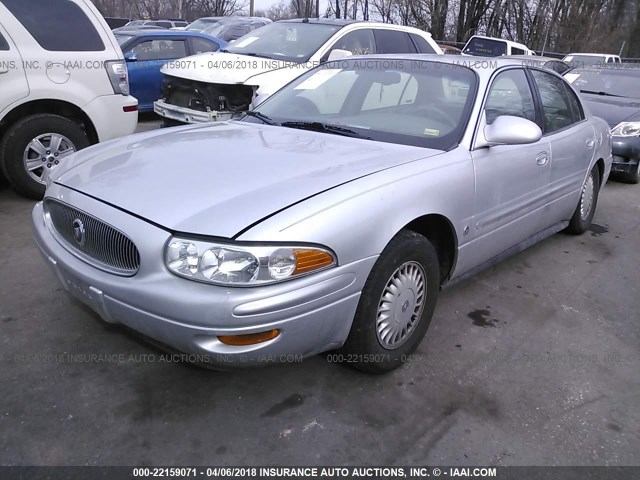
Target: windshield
x=122, y=39
x=582, y=60
x=134, y=22
x=201, y=24
x=232, y=29
x=485, y=47
x=614, y=80
x=420, y=103
x=294, y=42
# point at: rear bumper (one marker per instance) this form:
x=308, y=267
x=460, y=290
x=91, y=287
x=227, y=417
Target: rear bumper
x=187, y=115
x=313, y=314
x=109, y=117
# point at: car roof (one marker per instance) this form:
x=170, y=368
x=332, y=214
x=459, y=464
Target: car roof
x=532, y=58
x=593, y=54
x=322, y=21
x=611, y=67
x=163, y=32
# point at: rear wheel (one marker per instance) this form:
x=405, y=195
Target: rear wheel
x=35, y=145
x=586, y=209
x=396, y=305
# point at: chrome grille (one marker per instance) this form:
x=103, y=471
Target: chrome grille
x=94, y=239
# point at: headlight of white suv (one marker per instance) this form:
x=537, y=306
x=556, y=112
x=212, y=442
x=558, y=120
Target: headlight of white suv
x=243, y=265
x=627, y=129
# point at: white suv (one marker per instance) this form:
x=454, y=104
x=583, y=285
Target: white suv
x=225, y=84
x=64, y=87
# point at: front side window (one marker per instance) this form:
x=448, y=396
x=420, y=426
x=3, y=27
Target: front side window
x=510, y=94
x=358, y=42
x=160, y=50
x=393, y=41
x=288, y=41
x=419, y=103
x=556, y=107
x=59, y=26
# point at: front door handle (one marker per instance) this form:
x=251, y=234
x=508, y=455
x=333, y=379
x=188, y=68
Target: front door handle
x=542, y=159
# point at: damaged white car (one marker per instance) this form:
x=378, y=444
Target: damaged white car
x=223, y=85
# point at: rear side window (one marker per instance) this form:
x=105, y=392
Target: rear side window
x=4, y=45
x=200, y=45
x=574, y=103
x=517, y=51
x=57, y=25
x=421, y=44
x=393, y=41
x=556, y=105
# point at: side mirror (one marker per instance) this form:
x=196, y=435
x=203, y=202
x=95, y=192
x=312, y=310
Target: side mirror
x=337, y=54
x=130, y=57
x=510, y=130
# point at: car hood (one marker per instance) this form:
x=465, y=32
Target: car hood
x=223, y=67
x=613, y=109
x=219, y=179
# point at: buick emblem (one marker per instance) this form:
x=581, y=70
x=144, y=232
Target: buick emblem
x=78, y=231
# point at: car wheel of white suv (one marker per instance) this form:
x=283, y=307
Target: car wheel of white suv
x=36, y=144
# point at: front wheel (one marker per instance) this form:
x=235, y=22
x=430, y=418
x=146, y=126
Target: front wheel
x=586, y=209
x=396, y=305
x=36, y=144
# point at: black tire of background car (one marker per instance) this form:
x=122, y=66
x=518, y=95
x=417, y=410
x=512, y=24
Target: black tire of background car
x=362, y=350
x=633, y=176
x=20, y=134
x=168, y=123
x=577, y=226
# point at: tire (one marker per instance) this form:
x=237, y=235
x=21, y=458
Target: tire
x=370, y=347
x=18, y=143
x=586, y=209
x=169, y=122
x=634, y=176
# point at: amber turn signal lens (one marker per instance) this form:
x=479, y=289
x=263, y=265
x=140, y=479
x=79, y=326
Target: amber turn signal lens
x=249, y=339
x=310, y=260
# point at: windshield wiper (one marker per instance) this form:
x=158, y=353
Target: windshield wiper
x=604, y=94
x=325, y=128
x=261, y=116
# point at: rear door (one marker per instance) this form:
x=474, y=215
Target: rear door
x=572, y=140
x=512, y=181
x=12, y=73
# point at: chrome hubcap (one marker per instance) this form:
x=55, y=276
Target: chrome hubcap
x=586, y=200
x=401, y=304
x=45, y=152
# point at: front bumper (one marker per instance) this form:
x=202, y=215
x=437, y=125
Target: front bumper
x=626, y=154
x=314, y=313
x=187, y=115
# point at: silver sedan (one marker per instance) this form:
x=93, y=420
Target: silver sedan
x=330, y=216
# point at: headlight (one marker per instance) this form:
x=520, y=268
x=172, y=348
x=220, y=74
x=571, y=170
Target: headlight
x=627, y=129
x=242, y=265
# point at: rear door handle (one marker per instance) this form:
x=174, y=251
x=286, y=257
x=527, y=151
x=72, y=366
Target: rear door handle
x=591, y=142
x=542, y=158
